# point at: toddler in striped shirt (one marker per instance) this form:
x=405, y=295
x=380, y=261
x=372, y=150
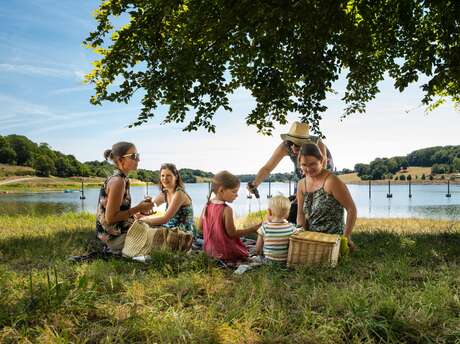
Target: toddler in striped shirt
x=273, y=236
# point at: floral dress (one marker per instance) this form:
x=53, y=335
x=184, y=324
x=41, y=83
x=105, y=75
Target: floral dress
x=183, y=218
x=105, y=231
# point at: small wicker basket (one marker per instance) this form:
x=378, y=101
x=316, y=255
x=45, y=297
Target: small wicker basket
x=313, y=248
x=141, y=239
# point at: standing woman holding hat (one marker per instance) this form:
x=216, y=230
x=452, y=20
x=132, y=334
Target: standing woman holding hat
x=114, y=212
x=298, y=134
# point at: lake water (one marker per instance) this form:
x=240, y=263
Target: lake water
x=428, y=201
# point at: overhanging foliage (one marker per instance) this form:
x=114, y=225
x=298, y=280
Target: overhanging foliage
x=192, y=54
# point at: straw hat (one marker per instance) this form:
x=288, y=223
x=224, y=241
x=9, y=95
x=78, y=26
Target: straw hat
x=298, y=134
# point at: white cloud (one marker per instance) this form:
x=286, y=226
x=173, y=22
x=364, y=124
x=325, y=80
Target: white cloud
x=68, y=90
x=35, y=70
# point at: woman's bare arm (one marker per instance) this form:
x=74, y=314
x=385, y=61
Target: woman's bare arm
x=159, y=199
x=300, y=199
x=279, y=153
x=341, y=193
x=178, y=199
x=115, y=192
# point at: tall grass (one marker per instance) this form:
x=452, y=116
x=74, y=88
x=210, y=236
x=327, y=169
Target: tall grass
x=401, y=286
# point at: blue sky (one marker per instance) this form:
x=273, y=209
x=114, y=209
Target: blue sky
x=42, y=96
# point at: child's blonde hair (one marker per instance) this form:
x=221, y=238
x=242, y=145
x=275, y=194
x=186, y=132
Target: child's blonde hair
x=279, y=206
x=225, y=180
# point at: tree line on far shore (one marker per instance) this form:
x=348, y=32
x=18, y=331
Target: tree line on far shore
x=19, y=150
x=441, y=160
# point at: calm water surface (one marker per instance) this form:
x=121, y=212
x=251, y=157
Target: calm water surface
x=428, y=201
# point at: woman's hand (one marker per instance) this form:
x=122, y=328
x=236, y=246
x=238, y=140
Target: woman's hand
x=145, y=206
x=252, y=188
x=351, y=245
x=139, y=216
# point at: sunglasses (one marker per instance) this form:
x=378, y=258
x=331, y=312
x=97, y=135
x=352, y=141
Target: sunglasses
x=132, y=156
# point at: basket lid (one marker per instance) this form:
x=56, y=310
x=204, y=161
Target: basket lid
x=316, y=236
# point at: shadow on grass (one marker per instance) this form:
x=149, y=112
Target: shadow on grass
x=420, y=248
x=374, y=248
x=22, y=254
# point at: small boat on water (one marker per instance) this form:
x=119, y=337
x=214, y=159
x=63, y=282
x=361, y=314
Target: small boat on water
x=69, y=191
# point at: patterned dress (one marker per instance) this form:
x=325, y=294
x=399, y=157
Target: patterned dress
x=323, y=212
x=104, y=231
x=298, y=174
x=183, y=218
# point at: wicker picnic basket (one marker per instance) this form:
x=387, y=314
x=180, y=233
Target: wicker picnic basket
x=313, y=248
x=178, y=240
x=141, y=239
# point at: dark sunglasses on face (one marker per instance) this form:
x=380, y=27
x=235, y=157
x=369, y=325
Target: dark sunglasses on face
x=132, y=156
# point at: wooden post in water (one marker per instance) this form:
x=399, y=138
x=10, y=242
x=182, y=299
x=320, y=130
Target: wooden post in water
x=147, y=188
x=448, y=188
x=82, y=195
x=269, y=188
x=410, y=189
x=369, y=189
x=389, y=194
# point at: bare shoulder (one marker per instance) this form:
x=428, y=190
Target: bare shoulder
x=182, y=196
x=301, y=185
x=115, y=182
x=333, y=182
x=228, y=211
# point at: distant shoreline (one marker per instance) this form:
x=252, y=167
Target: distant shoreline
x=404, y=182
x=50, y=185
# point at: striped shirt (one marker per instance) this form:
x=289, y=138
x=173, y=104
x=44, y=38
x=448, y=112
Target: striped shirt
x=276, y=239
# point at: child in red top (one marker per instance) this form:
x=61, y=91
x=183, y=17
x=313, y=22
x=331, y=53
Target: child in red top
x=221, y=238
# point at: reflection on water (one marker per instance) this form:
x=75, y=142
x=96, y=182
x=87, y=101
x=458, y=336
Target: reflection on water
x=448, y=211
x=428, y=201
x=36, y=208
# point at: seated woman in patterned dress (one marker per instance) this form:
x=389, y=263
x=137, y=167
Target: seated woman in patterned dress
x=179, y=210
x=322, y=197
x=114, y=212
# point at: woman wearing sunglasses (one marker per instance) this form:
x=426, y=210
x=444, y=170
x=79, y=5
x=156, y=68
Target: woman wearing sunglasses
x=179, y=209
x=114, y=212
x=298, y=134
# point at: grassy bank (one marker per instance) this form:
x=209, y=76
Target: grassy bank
x=51, y=184
x=402, y=285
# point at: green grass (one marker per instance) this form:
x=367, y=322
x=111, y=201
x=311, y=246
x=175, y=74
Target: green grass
x=401, y=286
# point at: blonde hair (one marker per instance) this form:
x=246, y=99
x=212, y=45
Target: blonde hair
x=225, y=180
x=279, y=206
